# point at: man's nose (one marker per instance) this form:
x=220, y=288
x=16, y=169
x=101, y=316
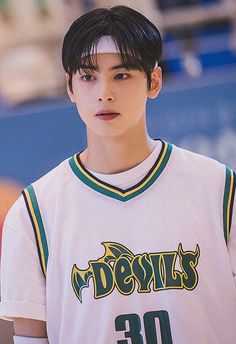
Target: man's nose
x=106, y=93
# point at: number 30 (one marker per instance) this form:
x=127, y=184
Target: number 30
x=149, y=327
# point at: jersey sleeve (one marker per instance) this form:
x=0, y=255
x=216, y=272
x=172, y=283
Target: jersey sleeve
x=23, y=284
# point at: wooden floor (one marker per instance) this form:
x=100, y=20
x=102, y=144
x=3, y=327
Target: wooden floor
x=6, y=332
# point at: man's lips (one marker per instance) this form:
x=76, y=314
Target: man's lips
x=107, y=115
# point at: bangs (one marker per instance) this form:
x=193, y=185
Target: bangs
x=86, y=55
x=137, y=39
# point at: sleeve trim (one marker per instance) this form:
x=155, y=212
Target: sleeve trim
x=37, y=223
x=228, y=201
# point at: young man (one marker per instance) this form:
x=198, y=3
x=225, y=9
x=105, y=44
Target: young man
x=128, y=241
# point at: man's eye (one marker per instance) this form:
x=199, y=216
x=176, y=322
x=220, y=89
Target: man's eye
x=87, y=77
x=121, y=76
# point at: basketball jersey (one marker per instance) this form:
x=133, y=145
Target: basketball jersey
x=128, y=258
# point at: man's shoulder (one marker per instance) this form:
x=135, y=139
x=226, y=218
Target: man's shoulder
x=197, y=165
x=44, y=187
x=53, y=177
x=193, y=158
x=57, y=181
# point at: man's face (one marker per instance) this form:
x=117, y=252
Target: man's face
x=111, y=99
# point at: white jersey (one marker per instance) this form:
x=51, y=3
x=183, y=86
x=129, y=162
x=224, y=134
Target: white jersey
x=128, y=258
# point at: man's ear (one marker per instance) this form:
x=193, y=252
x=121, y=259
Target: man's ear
x=69, y=91
x=156, y=83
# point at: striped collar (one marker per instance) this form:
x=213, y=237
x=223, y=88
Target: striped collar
x=111, y=191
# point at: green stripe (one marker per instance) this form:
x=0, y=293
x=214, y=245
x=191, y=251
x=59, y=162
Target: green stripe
x=112, y=194
x=91, y=184
x=40, y=223
x=4, y=7
x=226, y=202
x=42, y=6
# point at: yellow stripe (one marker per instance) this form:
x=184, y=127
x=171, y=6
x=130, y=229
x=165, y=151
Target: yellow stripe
x=229, y=202
x=153, y=172
x=128, y=192
x=37, y=229
x=95, y=181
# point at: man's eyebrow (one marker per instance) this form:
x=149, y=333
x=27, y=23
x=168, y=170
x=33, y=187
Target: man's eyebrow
x=86, y=67
x=128, y=66
x=125, y=66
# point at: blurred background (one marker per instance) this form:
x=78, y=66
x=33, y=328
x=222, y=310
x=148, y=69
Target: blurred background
x=39, y=127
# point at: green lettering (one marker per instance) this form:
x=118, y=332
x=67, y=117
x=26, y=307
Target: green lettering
x=188, y=262
x=123, y=276
x=172, y=277
x=156, y=260
x=103, y=279
x=143, y=272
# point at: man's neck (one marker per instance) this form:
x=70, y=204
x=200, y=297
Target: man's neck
x=114, y=155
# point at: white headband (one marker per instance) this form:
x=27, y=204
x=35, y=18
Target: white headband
x=106, y=45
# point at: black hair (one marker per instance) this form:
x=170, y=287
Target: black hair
x=135, y=36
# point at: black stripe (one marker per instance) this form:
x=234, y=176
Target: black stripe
x=115, y=187
x=232, y=202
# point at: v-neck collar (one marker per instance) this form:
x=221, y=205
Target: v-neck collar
x=115, y=192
